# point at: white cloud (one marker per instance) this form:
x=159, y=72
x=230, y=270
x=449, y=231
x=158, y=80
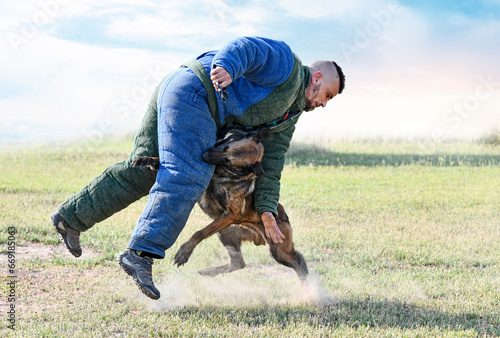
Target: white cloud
x=414, y=79
x=176, y=24
x=69, y=86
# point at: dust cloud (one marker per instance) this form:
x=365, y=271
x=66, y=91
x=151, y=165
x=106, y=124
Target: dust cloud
x=271, y=286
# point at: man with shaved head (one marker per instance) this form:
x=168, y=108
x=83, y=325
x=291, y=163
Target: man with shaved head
x=250, y=83
x=325, y=84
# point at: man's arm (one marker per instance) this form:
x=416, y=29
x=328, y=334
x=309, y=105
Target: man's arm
x=263, y=61
x=267, y=190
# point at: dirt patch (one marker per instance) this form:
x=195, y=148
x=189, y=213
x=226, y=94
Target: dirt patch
x=47, y=252
x=50, y=293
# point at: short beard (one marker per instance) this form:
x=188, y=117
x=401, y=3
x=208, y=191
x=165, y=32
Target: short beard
x=315, y=93
x=309, y=106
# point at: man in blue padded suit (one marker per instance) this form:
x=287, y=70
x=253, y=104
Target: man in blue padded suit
x=265, y=85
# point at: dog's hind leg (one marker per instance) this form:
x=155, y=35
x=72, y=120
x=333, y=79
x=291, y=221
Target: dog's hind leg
x=231, y=237
x=285, y=253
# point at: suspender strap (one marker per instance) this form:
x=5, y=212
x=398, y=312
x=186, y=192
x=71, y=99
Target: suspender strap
x=202, y=74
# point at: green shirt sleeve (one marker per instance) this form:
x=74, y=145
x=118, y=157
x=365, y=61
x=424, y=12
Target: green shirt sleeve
x=267, y=190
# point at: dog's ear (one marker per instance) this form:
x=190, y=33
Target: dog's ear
x=257, y=169
x=262, y=133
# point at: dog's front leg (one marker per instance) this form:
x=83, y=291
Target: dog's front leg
x=187, y=248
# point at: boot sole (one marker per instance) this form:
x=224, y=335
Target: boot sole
x=63, y=235
x=146, y=291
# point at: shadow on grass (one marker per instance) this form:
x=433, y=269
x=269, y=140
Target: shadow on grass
x=354, y=314
x=315, y=155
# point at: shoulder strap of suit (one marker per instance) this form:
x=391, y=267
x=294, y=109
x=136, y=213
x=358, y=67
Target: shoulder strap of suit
x=202, y=74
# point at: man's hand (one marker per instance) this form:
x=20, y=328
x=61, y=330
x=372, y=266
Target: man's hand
x=220, y=77
x=271, y=227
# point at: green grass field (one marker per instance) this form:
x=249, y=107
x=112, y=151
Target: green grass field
x=401, y=239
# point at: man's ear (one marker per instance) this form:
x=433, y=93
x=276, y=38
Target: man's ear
x=316, y=78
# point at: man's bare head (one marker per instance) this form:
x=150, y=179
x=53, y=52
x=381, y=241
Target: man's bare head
x=327, y=80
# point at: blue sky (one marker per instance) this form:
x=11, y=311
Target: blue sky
x=85, y=69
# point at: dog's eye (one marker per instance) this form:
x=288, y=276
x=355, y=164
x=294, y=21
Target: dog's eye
x=227, y=161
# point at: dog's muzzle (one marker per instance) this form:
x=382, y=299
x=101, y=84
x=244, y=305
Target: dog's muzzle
x=210, y=157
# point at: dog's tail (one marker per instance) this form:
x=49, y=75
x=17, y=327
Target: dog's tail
x=152, y=163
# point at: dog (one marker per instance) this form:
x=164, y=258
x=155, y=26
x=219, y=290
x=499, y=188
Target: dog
x=228, y=200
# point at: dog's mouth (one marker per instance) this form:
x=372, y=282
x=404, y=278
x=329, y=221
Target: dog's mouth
x=256, y=168
x=214, y=157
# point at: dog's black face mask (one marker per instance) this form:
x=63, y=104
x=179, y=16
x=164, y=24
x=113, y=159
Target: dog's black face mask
x=239, y=154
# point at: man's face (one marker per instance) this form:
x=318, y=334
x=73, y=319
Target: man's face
x=318, y=94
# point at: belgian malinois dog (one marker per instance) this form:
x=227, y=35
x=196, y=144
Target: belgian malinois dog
x=228, y=200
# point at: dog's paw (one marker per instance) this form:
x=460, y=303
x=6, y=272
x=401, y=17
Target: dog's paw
x=183, y=254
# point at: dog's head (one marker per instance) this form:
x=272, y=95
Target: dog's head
x=239, y=154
